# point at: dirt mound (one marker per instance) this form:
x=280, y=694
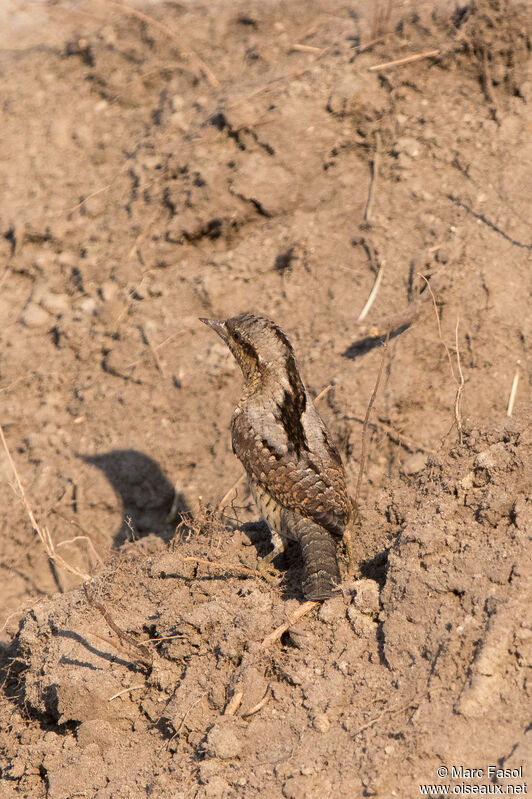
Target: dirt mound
x=319, y=166
x=366, y=683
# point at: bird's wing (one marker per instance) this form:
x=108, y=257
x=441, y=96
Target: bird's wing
x=312, y=485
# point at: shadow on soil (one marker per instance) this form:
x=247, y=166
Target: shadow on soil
x=146, y=493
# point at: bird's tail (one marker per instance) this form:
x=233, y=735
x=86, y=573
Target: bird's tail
x=321, y=575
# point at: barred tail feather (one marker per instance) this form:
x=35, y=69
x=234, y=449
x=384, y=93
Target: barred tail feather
x=321, y=574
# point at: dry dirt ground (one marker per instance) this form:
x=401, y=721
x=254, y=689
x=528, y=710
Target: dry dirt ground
x=172, y=160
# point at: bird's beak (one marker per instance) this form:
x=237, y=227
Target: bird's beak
x=218, y=326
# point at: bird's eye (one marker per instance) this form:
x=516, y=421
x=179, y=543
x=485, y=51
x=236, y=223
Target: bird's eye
x=237, y=336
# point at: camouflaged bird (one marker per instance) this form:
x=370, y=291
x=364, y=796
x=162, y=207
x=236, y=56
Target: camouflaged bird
x=295, y=473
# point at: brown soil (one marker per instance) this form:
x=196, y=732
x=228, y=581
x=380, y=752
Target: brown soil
x=167, y=161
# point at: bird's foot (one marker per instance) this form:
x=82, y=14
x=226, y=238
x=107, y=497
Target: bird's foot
x=264, y=565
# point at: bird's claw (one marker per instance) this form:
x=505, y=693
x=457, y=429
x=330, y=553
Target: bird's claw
x=265, y=567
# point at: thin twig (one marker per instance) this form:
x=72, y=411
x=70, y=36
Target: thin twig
x=393, y=435
x=146, y=656
x=108, y=641
x=409, y=59
x=81, y=538
x=363, y=453
x=259, y=705
x=301, y=611
x=223, y=501
x=43, y=532
x=374, y=178
x=460, y=385
x=88, y=197
x=306, y=48
x=19, y=484
x=193, y=705
x=363, y=48
x=372, y=295
x=224, y=568
x=404, y=318
x=126, y=691
x=440, y=336
x=186, y=51
x=233, y=704
x=386, y=712
x=513, y=392
x=270, y=85
x=7, y=272
x=323, y=392
x=458, y=382
x=153, y=351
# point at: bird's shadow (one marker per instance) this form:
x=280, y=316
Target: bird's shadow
x=146, y=493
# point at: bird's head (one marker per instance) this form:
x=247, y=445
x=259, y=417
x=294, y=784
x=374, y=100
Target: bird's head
x=258, y=344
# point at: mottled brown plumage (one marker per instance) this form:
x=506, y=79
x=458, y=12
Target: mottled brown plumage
x=295, y=472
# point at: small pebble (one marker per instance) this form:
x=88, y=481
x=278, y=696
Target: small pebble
x=331, y=610
x=362, y=624
x=108, y=290
x=366, y=598
x=414, y=464
x=408, y=145
x=55, y=303
x=223, y=740
x=86, y=305
x=320, y=722
x=67, y=259
x=35, y=316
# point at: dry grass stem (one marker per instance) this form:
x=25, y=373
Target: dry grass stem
x=259, y=705
x=225, y=499
x=394, y=435
x=144, y=654
x=409, y=59
x=372, y=295
x=186, y=51
x=43, y=532
x=411, y=313
x=153, y=351
x=363, y=48
x=381, y=17
x=7, y=272
x=74, y=208
x=306, y=48
x=81, y=538
x=323, y=393
x=193, y=705
x=374, y=179
x=459, y=381
x=17, y=612
x=387, y=712
x=270, y=85
x=224, y=568
x=363, y=453
x=459, y=386
x=513, y=392
x=126, y=691
x=233, y=704
x=301, y=611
